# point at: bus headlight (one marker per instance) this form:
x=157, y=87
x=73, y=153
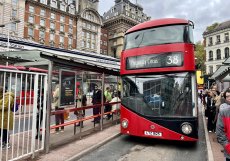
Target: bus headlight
x=124, y=123
x=186, y=128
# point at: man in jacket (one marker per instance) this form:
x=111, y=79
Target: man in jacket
x=223, y=125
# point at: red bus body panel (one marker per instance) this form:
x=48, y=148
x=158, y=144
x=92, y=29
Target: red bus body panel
x=157, y=23
x=137, y=125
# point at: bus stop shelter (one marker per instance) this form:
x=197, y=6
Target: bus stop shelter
x=52, y=63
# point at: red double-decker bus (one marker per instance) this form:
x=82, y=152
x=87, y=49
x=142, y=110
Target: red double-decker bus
x=159, y=98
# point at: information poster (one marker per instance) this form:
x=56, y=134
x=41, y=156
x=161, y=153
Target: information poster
x=68, y=87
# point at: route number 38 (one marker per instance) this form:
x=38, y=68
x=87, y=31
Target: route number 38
x=174, y=59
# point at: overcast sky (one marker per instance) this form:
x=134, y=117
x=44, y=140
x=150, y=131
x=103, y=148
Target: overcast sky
x=202, y=13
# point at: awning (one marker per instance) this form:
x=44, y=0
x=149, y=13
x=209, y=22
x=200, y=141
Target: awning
x=89, y=65
x=221, y=71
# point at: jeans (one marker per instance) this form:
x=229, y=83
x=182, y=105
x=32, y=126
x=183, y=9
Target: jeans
x=59, y=118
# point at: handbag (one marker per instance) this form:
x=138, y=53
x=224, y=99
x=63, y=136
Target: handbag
x=15, y=107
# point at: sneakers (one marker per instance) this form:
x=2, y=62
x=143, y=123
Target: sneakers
x=62, y=130
x=6, y=146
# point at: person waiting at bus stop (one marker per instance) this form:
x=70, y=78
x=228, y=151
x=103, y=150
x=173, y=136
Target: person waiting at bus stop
x=223, y=125
x=96, y=99
x=59, y=118
x=6, y=115
x=108, y=98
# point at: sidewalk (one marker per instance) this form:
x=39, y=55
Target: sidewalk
x=78, y=148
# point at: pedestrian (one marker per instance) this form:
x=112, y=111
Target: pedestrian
x=6, y=115
x=96, y=99
x=39, y=113
x=81, y=101
x=222, y=127
x=59, y=118
x=211, y=111
x=108, y=98
x=115, y=107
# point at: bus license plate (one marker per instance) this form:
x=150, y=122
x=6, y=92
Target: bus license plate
x=151, y=133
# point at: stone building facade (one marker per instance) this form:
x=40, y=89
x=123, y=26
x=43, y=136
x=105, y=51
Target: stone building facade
x=217, y=46
x=9, y=12
x=122, y=16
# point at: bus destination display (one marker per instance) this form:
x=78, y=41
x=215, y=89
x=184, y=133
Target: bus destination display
x=172, y=59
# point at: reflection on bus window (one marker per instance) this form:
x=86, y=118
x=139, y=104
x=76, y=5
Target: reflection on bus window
x=159, y=35
x=159, y=95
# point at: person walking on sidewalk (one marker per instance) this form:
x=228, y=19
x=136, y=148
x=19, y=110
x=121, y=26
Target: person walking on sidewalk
x=223, y=125
x=6, y=115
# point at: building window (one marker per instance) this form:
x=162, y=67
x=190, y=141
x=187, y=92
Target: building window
x=43, y=1
x=42, y=12
x=226, y=52
x=88, y=44
x=62, y=18
x=14, y=2
x=52, y=16
x=62, y=28
x=226, y=37
x=82, y=44
x=70, y=41
x=31, y=19
x=14, y=13
x=101, y=51
x=83, y=34
x=31, y=32
x=42, y=34
x=210, y=55
x=52, y=25
x=31, y=9
x=88, y=35
x=13, y=27
x=217, y=39
x=71, y=21
x=218, y=54
x=70, y=29
x=54, y=3
x=93, y=36
x=93, y=46
x=51, y=37
x=210, y=69
x=61, y=39
x=71, y=10
x=210, y=41
x=62, y=7
x=42, y=22
x=89, y=26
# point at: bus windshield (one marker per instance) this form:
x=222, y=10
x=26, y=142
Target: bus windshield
x=168, y=95
x=159, y=35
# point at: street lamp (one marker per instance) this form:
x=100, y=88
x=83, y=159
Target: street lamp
x=8, y=36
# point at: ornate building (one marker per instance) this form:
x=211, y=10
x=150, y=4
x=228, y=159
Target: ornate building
x=217, y=46
x=10, y=12
x=88, y=26
x=51, y=22
x=122, y=16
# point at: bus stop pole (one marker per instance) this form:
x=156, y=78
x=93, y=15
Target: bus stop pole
x=49, y=104
x=102, y=99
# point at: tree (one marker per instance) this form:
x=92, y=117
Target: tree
x=200, y=56
x=212, y=27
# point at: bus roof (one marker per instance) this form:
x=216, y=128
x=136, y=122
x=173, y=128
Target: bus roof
x=158, y=22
